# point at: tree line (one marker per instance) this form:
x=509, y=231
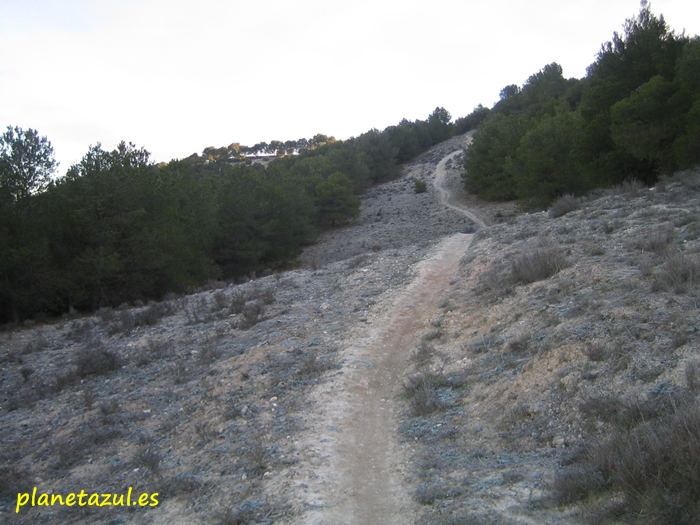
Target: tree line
x=635, y=115
x=118, y=227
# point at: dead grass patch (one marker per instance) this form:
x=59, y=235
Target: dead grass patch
x=563, y=205
x=656, y=242
x=96, y=360
x=422, y=392
x=538, y=263
x=679, y=272
x=651, y=457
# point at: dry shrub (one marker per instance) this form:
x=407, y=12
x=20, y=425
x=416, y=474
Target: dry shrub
x=80, y=330
x=428, y=493
x=205, y=430
x=594, y=249
x=181, y=484
x=433, y=335
x=656, y=242
x=197, y=310
x=38, y=344
x=626, y=414
x=150, y=458
x=96, y=360
x=692, y=375
x=682, y=183
x=422, y=391
x=679, y=272
x=66, y=378
x=563, y=205
x=106, y=314
x=209, y=353
x=26, y=372
x=577, y=484
x=252, y=314
x=233, y=517
x=108, y=408
x=495, y=282
x=153, y=313
x=237, y=302
x=89, y=397
x=251, y=511
x=516, y=416
x=520, y=344
x=221, y=301
x=596, y=352
x=254, y=456
x=652, y=462
x=484, y=344
x=127, y=320
x=158, y=348
x=180, y=373
x=630, y=187
x=313, y=365
x=538, y=263
x=423, y=353
x=267, y=295
x=656, y=466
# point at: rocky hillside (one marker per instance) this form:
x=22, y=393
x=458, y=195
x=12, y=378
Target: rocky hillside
x=558, y=380
x=563, y=348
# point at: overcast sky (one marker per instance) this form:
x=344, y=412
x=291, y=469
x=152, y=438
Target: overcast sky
x=176, y=76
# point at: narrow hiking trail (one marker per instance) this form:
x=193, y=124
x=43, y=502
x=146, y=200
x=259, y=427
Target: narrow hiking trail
x=356, y=465
x=439, y=183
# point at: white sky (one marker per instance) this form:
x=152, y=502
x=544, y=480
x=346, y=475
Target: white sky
x=176, y=76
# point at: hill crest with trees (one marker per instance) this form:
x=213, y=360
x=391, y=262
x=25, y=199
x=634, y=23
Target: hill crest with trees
x=119, y=228
x=636, y=115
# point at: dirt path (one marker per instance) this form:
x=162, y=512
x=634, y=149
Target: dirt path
x=357, y=467
x=439, y=183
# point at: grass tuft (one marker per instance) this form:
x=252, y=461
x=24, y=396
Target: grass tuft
x=536, y=264
x=563, y=205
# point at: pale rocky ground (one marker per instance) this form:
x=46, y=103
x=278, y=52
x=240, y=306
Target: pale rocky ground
x=267, y=423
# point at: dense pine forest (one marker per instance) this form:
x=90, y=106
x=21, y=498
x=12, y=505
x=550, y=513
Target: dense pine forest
x=636, y=115
x=119, y=228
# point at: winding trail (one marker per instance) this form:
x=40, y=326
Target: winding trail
x=439, y=183
x=359, y=465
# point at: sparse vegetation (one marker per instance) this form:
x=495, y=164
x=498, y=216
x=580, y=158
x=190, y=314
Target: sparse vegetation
x=692, y=375
x=588, y=377
x=423, y=353
x=653, y=463
x=657, y=241
x=563, y=205
x=422, y=392
x=679, y=272
x=433, y=335
x=538, y=263
x=96, y=360
x=149, y=457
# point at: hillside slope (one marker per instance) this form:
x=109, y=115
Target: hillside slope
x=541, y=337
x=563, y=365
